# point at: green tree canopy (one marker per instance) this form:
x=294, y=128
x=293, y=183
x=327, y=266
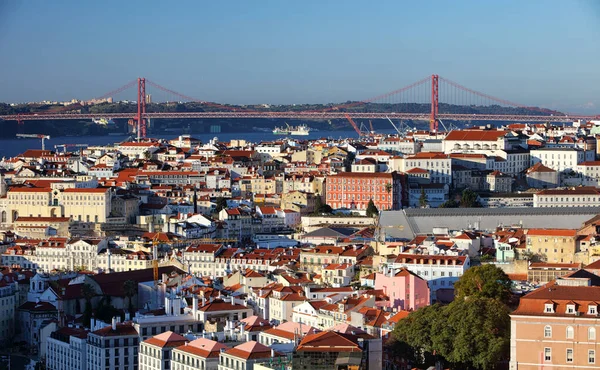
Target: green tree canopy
x=471, y=332
x=372, y=211
x=449, y=204
x=469, y=199
x=88, y=292
x=221, y=203
x=321, y=207
x=468, y=333
x=486, y=281
x=130, y=288
x=423, y=198
x=475, y=333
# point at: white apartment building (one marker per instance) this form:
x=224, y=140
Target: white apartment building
x=439, y=165
x=281, y=305
x=149, y=325
x=475, y=141
x=307, y=313
x=269, y=151
x=61, y=254
x=200, y=353
x=559, y=159
x=514, y=162
x=440, y=271
x=137, y=150
x=51, y=254
x=589, y=172
x=575, y=197
x=119, y=260
x=156, y=352
x=89, y=205
x=8, y=305
x=398, y=144
x=201, y=258
x=338, y=275
x=113, y=347
x=66, y=349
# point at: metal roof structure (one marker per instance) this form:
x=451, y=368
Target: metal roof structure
x=406, y=223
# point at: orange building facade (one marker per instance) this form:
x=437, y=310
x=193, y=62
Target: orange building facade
x=558, y=326
x=353, y=190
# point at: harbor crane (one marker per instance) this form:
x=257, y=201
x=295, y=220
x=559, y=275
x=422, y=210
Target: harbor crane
x=65, y=146
x=37, y=136
x=402, y=129
x=354, y=125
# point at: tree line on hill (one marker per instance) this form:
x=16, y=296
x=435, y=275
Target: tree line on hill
x=130, y=107
x=472, y=332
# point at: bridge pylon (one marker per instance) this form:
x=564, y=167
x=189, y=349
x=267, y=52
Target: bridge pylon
x=433, y=121
x=141, y=109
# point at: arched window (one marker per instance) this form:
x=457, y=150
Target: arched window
x=547, y=331
x=592, y=334
x=3, y=217
x=570, y=332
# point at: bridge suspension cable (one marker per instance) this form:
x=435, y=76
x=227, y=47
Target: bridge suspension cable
x=188, y=98
x=492, y=98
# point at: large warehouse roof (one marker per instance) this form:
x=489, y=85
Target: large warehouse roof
x=407, y=223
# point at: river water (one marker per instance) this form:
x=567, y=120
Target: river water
x=13, y=147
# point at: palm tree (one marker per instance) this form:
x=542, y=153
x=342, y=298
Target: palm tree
x=130, y=288
x=88, y=292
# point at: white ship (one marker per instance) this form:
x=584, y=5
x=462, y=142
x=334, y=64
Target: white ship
x=300, y=130
x=103, y=121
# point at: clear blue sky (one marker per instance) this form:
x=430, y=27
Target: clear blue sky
x=541, y=52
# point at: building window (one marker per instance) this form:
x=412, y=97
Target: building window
x=569, y=354
x=592, y=310
x=571, y=308
x=570, y=332
x=547, y=354
x=549, y=308
x=547, y=331
x=592, y=334
x=591, y=356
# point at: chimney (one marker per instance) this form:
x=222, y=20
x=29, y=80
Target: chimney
x=127, y=316
x=195, y=200
x=114, y=323
x=108, y=254
x=194, y=305
x=272, y=353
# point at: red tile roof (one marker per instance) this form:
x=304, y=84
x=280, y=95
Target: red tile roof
x=166, y=339
x=86, y=190
x=475, y=135
x=552, y=232
x=329, y=341
x=250, y=350
x=560, y=296
x=37, y=306
x=220, y=305
x=122, y=330
x=582, y=190
x=428, y=155
x=203, y=347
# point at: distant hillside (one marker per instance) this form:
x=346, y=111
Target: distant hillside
x=158, y=127
x=346, y=107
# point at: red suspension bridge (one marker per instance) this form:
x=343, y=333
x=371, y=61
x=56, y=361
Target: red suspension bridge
x=434, y=91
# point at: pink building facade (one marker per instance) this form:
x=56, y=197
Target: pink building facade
x=406, y=291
